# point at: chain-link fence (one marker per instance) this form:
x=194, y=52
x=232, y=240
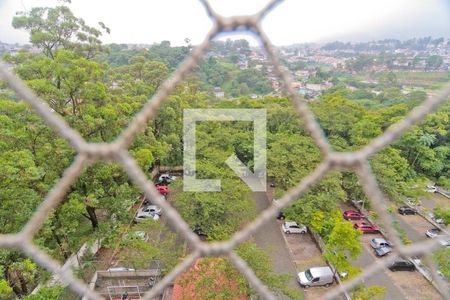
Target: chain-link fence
x=116, y=151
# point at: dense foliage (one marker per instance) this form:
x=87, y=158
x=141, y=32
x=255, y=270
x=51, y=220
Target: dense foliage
x=98, y=91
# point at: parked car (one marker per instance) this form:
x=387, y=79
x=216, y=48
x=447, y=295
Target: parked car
x=167, y=177
x=443, y=277
x=293, y=227
x=281, y=215
x=151, y=208
x=445, y=242
x=366, y=227
x=406, y=210
x=316, y=276
x=382, y=251
x=163, y=189
x=198, y=230
x=353, y=215
x=379, y=242
x=431, y=188
x=433, y=232
x=432, y=216
x=401, y=265
x=146, y=215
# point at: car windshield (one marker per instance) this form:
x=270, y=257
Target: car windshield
x=308, y=275
x=384, y=249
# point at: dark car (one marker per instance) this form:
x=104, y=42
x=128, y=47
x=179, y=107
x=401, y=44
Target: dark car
x=198, y=230
x=281, y=216
x=406, y=210
x=402, y=265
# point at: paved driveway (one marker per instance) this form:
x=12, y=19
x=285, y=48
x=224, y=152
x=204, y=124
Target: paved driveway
x=270, y=239
x=381, y=278
x=399, y=285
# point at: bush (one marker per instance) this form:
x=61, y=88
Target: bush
x=444, y=182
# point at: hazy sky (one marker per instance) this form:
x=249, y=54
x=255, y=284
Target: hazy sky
x=149, y=21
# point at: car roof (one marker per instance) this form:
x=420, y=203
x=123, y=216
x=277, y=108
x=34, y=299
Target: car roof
x=379, y=240
x=362, y=223
x=384, y=249
x=289, y=223
x=320, y=271
x=351, y=211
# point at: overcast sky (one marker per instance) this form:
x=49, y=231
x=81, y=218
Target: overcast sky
x=294, y=21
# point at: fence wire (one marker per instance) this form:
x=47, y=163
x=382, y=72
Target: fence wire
x=117, y=151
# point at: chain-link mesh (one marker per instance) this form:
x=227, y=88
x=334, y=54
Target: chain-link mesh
x=116, y=151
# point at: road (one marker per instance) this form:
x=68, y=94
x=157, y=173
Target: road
x=270, y=239
x=367, y=257
x=381, y=278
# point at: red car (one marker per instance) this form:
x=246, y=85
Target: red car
x=353, y=215
x=366, y=227
x=162, y=189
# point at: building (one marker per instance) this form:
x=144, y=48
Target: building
x=218, y=92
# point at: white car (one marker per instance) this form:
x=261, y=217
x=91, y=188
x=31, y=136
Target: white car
x=166, y=177
x=431, y=188
x=433, y=217
x=146, y=214
x=150, y=209
x=293, y=227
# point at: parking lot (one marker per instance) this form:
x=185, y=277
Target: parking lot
x=401, y=284
x=306, y=254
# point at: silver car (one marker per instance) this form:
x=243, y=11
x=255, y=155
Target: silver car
x=293, y=227
x=382, y=251
x=433, y=232
x=379, y=242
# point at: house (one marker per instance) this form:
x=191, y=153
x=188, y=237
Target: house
x=219, y=93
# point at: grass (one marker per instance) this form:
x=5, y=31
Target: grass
x=427, y=80
x=401, y=233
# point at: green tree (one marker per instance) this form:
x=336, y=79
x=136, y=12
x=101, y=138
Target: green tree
x=441, y=257
x=434, y=62
x=343, y=240
x=54, y=28
x=46, y=294
x=442, y=213
x=6, y=292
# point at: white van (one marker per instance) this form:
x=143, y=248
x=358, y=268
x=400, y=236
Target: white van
x=316, y=276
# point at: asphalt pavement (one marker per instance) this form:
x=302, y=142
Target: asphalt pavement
x=381, y=278
x=270, y=238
